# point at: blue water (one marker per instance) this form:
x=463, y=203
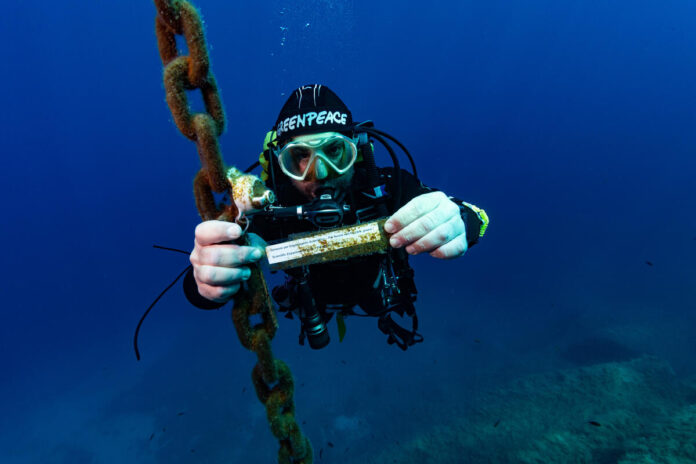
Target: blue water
x=571, y=123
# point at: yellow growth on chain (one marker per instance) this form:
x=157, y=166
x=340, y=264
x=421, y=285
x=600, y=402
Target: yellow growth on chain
x=271, y=377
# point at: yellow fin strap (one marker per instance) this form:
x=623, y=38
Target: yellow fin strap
x=267, y=142
x=483, y=217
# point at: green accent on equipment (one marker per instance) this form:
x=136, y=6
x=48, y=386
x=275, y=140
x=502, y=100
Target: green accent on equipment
x=341, y=326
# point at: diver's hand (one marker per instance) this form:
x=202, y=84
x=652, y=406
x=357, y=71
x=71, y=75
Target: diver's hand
x=218, y=267
x=429, y=223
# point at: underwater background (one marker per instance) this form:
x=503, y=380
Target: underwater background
x=566, y=335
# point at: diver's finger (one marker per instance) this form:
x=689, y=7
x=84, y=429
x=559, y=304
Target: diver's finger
x=211, y=232
x=419, y=206
x=219, y=294
x=452, y=249
x=228, y=255
x=423, y=225
x=220, y=276
x=441, y=235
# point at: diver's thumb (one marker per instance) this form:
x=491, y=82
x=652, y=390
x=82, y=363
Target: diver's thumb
x=257, y=242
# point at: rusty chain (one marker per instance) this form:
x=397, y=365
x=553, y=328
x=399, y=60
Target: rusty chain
x=271, y=377
x=191, y=72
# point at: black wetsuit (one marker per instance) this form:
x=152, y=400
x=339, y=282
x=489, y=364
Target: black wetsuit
x=344, y=282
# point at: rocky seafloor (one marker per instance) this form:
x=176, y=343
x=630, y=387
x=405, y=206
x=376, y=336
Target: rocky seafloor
x=631, y=412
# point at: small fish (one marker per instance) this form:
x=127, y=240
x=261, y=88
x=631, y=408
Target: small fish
x=496, y=423
x=343, y=361
x=476, y=340
x=193, y=450
x=181, y=413
x=243, y=389
x=164, y=429
x=649, y=263
x=330, y=444
x=152, y=436
x=321, y=452
x=304, y=422
x=595, y=423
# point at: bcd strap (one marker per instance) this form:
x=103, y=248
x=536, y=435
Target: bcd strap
x=397, y=334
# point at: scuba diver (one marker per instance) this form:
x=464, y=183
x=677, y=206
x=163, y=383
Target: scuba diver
x=320, y=164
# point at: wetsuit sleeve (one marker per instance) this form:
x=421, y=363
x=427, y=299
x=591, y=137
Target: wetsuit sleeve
x=475, y=219
x=195, y=298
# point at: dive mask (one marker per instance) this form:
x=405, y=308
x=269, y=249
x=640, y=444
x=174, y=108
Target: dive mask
x=337, y=151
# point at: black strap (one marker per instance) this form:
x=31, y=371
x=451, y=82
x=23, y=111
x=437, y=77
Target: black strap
x=397, y=334
x=252, y=167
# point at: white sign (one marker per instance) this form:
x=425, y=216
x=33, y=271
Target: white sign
x=320, y=243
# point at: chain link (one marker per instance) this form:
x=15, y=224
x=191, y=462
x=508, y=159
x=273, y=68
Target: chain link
x=192, y=72
x=271, y=377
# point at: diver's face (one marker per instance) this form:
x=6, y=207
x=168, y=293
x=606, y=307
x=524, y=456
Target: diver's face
x=320, y=173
